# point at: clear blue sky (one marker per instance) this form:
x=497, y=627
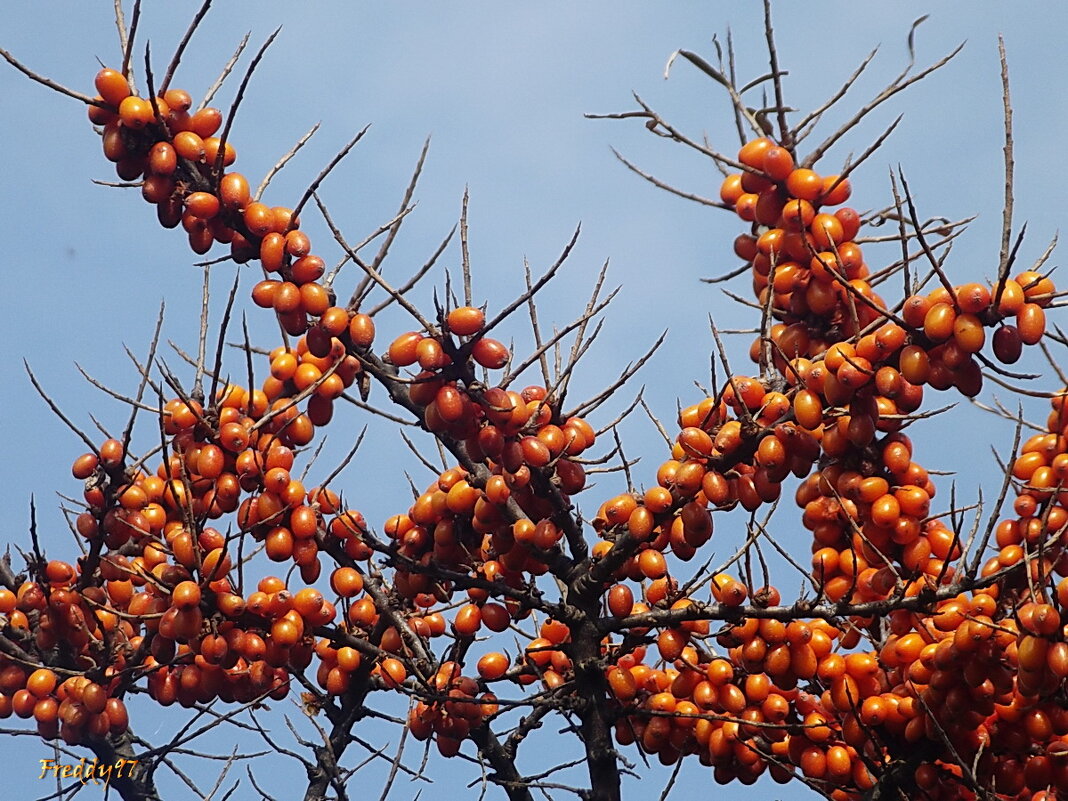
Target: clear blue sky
x=502, y=88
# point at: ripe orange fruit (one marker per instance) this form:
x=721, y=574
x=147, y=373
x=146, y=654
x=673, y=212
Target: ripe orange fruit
x=41, y=682
x=492, y=666
x=189, y=146
x=753, y=152
x=234, y=191
x=206, y=122
x=490, y=353
x=805, y=184
x=135, y=112
x=112, y=86
x=466, y=320
x=777, y=163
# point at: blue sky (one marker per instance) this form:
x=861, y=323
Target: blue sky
x=502, y=89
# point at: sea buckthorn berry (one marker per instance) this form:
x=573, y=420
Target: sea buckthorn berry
x=272, y=251
x=652, y=564
x=403, y=350
x=466, y=320
x=805, y=184
x=939, y=321
x=308, y=268
x=969, y=333
x=211, y=145
x=1031, y=323
x=85, y=465
x=777, y=163
x=112, y=86
x=111, y=453
x=362, y=330
x=1037, y=287
x=188, y=145
x=263, y=293
x=797, y=214
x=162, y=158
x=233, y=437
x=1008, y=345
x=769, y=205
x=695, y=441
x=186, y=594
x=827, y=231
x=298, y=244
x=157, y=188
x=284, y=365
x=135, y=112
x=430, y=354
x=914, y=364
x=1009, y=296
x=490, y=353
x=234, y=191
x=202, y=204
x=283, y=219
x=178, y=99
x=258, y=218
x=914, y=312
x=334, y=321
x=745, y=206
x=306, y=375
x=287, y=297
x=492, y=666
x=315, y=298
x=752, y=152
x=808, y=409
x=835, y=190
x=619, y=509
x=973, y=298
x=41, y=682
x=346, y=582
x=731, y=189
x=850, y=220
x=99, y=115
x=206, y=122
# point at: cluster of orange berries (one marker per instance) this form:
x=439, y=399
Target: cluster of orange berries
x=463, y=702
x=243, y=444
x=462, y=705
x=807, y=259
x=173, y=603
x=747, y=712
x=852, y=373
x=854, y=376
x=984, y=672
x=458, y=525
x=213, y=643
x=993, y=666
x=181, y=165
x=953, y=328
x=516, y=432
x=54, y=611
x=800, y=254
x=1041, y=504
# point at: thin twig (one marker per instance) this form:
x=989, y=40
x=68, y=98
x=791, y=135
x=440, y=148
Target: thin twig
x=284, y=160
x=226, y=70
x=89, y=101
x=177, y=58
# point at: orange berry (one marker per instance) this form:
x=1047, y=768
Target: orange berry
x=234, y=191
x=135, y=112
x=805, y=184
x=112, y=86
x=466, y=320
